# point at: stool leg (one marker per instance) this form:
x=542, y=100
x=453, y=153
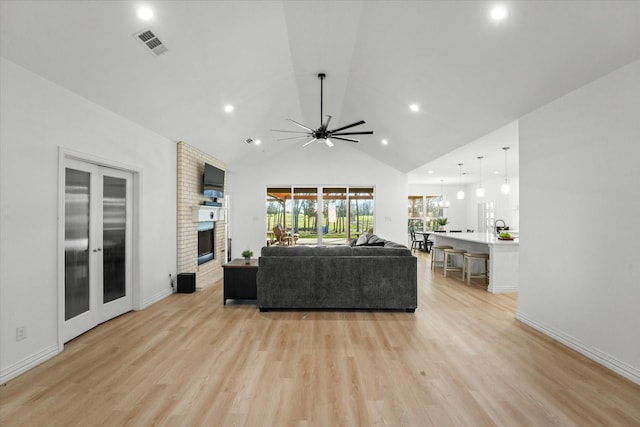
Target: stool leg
x=444, y=264
x=464, y=266
x=468, y=262
x=486, y=271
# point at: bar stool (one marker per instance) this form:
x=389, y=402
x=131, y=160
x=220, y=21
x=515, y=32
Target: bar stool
x=466, y=266
x=435, y=250
x=448, y=262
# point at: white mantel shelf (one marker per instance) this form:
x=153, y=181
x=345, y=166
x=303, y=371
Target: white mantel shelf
x=202, y=213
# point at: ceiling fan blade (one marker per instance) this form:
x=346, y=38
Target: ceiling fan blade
x=328, y=142
x=361, y=122
x=288, y=131
x=293, y=137
x=364, y=132
x=346, y=139
x=326, y=125
x=309, y=142
x=301, y=125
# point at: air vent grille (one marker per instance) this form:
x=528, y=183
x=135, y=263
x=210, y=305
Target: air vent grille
x=151, y=41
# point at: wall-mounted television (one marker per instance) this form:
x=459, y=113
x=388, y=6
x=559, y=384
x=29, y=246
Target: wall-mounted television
x=213, y=182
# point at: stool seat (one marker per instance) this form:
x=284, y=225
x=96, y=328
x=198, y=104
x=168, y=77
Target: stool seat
x=466, y=266
x=448, y=260
x=476, y=255
x=435, y=250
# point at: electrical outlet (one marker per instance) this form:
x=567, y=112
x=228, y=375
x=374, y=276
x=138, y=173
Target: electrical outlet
x=21, y=333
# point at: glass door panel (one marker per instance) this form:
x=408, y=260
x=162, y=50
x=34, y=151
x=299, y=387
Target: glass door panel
x=76, y=243
x=334, y=214
x=277, y=200
x=114, y=222
x=360, y=211
x=305, y=215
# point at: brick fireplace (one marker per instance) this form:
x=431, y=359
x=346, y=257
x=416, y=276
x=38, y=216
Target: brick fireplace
x=190, y=169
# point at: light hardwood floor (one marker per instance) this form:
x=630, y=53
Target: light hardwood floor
x=460, y=360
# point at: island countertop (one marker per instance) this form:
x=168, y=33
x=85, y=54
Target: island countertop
x=503, y=256
x=486, y=238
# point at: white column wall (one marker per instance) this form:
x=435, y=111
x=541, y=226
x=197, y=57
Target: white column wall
x=37, y=118
x=580, y=216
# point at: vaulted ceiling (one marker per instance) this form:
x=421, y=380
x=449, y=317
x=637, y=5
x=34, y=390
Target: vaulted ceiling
x=468, y=74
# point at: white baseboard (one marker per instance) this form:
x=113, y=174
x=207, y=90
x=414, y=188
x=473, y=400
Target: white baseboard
x=629, y=372
x=28, y=363
x=155, y=298
x=502, y=289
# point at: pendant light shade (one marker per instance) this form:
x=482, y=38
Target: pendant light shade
x=460, y=194
x=505, y=188
x=442, y=203
x=480, y=189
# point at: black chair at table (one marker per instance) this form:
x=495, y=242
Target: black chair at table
x=428, y=244
x=415, y=242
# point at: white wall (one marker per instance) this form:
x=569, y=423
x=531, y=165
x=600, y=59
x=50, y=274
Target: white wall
x=314, y=165
x=506, y=205
x=463, y=214
x=580, y=217
x=37, y=117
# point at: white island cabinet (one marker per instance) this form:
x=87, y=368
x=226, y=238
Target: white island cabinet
x=503, y=256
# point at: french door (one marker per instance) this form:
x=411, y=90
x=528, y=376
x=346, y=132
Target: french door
x=97, y=246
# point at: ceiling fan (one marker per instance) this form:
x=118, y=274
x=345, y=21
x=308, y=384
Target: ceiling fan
x=323, y=134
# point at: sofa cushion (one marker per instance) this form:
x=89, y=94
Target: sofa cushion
x=374, y=244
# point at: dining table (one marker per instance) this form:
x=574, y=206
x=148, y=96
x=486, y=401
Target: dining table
x=425, y=236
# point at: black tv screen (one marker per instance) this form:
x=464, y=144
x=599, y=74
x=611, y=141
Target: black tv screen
x=213, y=181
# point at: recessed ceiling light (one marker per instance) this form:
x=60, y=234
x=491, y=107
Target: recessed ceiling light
x=145, y=13
x=228, y=108
x=258, y=142
x=499, y=13
x=430, y=172
x=414, y=107
x=384, y=142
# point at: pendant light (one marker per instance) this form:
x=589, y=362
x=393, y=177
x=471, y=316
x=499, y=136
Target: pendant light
x=460, y=194
x=442, y=203
x=505, y=188
x=480, y=190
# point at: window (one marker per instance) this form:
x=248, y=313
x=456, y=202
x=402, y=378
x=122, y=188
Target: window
x=423, y=212
x=346, y=212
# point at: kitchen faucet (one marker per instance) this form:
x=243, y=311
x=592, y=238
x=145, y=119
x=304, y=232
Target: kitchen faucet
x=497, y=229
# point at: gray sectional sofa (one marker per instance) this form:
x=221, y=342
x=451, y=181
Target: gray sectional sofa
x=374, y=275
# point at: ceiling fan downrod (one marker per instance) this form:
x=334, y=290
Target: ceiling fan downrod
x=321, y=76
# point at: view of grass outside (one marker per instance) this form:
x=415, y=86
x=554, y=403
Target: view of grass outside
x=344, y=210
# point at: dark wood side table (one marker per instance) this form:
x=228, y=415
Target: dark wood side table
x=240, y=280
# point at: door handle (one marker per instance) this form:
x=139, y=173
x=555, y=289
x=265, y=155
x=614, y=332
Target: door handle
x=97, y=250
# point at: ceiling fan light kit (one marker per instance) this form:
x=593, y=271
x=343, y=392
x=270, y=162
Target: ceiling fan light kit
x=323, y=134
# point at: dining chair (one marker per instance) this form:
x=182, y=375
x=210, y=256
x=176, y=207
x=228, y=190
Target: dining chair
x=415, y=242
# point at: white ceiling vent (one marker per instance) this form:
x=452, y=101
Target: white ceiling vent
x=151, y=41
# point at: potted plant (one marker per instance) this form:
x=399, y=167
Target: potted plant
x=247, y=256
x=442, y=221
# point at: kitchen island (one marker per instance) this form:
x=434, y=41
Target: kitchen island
x=503, y=256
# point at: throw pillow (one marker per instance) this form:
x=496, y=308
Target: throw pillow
x=362, y=240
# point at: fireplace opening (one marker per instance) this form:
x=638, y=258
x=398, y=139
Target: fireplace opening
x=206, y=241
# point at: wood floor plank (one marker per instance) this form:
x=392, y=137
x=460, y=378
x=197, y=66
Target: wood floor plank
x=460, y=360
